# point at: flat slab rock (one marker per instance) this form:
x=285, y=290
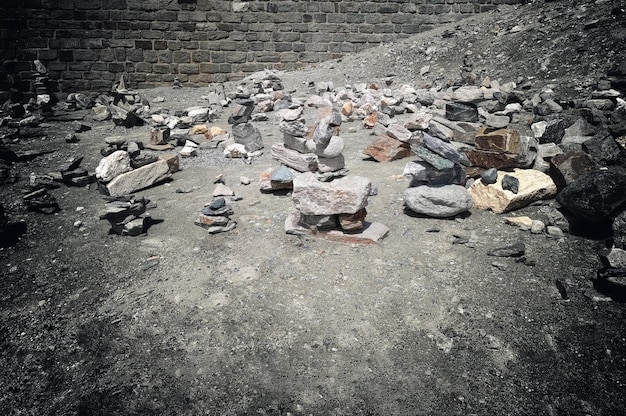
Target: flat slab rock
x=372, y=232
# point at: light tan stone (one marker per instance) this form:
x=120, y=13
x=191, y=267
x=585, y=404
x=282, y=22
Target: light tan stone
x=533, y=186
x=140, y=178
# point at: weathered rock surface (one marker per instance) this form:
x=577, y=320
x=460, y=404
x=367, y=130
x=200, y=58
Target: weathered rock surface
x=533, y=186
x=113, y=165
x=345, y=195
x=137, y=179
x=438, y=201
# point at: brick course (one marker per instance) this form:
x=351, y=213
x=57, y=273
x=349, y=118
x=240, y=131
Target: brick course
x=201, y=41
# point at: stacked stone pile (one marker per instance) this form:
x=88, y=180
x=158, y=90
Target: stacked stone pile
x=126, y=215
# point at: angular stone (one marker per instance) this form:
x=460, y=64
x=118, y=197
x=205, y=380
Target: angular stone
x=372, y=232
x=173, y=162
x=323, y=132
x=432, y=158
x=503, y=140
x=267, y=185
x=533, y=186
x=345, y=195
x=206, y=221
x=122, y=209
x=290, y=114
x=619, y=231
x=510, y=183
x=489, y=176
x=331, y=164
x=352, y=222
x=468, y=94
x=113, y=165
x=319, y=222
x=386, y=149
x=522, y=222
x=137, y=179
x=235, y=150
x=549, y=131
x=444, y=149
x=347, y=109
x=438, y=201
x=423, y=173
x=488, y=159
x=222, y=190
x=457, y=111
x=159, y=135
x=122, y=117
x=567, y=167
x=604, y=150
x=399, y=132
x=438, y=129
x=249, y=136
x=293, y=128
x=596, y=196
x=296, y=160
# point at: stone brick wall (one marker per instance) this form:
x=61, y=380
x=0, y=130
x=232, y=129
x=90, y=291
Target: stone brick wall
x=87, y=44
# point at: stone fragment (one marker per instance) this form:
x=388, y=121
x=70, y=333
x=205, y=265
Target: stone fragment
x=489, y=176
x=296, y=160
x=290, y=114
x=510, y=183
x=159, y=135
x=438, y=201
x=444, y=149
x=352, y=222
x=537, y=227
x=372, y=232
x=515, y=250
x=222, y=190
x=522, y=222
x=566, y=167
x=122, y=117
x=468, y=94
x=619, y=231
x=172, y=161
x=432, y=158
x=334, y=147
x=386, y=149
x=206, y=221
x=457, y=111
x=347, y=108
x=551, y=131
x=423, y=173
x=604, y=150
x=596, y=196
x=502, y=140
x=331, y=164
x=399, y=132
x=137, y=179
x=533, y=186
x=249, y=136
x=345, y=195
x=113, y=165
x=235, y=150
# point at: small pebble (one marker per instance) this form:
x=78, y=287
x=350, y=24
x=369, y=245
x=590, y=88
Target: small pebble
x=78, y=224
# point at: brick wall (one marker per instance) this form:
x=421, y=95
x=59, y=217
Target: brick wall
x=87, y=44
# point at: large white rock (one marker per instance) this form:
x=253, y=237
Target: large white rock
x=438, y=201
x=533, y=186
x=140, y=178
x=113, y=165
x=345, y=195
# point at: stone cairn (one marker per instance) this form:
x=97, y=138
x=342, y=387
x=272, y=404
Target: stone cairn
x=329, y=203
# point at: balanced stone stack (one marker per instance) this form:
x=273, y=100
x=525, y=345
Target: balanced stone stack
x=437, y=180
x=317, y=149
x=333, y=209
x=215, y=217
x=126, y=217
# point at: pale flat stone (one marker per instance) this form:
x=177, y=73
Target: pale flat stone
x=522, y=222
x=113, y=165
x=533, y=186
x=302, y=162
x=345, y=195
x=371, y=233
x=140, y=178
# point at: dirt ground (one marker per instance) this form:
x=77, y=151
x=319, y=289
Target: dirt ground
x=255, y=321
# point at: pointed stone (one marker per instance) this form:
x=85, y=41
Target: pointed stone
x=533, y=186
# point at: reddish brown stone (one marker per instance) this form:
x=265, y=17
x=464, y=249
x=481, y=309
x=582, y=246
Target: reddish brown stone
x=159, y=136
x=503, y=140
x=386, y=149
x=353, y=222
x=496, y=160
x=371, y=120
